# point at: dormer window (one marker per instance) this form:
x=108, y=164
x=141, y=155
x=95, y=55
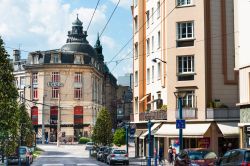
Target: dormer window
x=35, y=59
x=56, y=58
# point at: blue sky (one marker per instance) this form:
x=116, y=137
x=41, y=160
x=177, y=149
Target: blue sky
x=43, y=24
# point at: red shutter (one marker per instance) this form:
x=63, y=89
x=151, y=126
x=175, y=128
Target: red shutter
x=34, y=115
x=78, y=115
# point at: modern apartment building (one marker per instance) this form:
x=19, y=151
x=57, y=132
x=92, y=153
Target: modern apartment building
x=185, y=46
x=242, y=8
x=68, y=86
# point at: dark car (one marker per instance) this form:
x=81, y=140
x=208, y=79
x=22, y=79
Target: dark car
x=100, y=152
x=25, y=156
x=105, y=154
x=235, y=157
x=195, y=157
x=118, y=156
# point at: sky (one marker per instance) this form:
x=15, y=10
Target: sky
x=33, y=25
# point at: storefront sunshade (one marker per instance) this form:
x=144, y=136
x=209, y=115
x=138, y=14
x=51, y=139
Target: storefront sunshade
x=196, y=130
x=228, y=128
x=139, y=132
x=152, y=129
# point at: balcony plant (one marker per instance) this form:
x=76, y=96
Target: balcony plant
x=164, y=108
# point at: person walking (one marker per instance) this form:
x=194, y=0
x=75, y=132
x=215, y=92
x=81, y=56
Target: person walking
x=160, y=155
x=170, y=155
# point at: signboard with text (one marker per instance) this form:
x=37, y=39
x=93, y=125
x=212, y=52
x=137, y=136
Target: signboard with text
x=180, y=124
x=55, y=84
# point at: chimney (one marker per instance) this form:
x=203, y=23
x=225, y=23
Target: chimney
x=16, y=55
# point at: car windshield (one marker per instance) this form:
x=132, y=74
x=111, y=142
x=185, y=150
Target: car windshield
x=90, y=143
x=247, y=156
x=22, y=150
x=119, y=152
x=197, y=155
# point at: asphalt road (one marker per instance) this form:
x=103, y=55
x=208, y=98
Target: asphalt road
x=65, y=155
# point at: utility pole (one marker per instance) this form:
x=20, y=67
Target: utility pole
x=43, y=120
x=58, y=121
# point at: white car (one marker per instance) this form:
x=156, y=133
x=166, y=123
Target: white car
x=89, y=146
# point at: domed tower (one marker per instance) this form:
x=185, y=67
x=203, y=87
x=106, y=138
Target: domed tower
x=77, y=41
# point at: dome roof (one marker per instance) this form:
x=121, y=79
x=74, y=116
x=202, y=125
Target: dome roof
x=79, y=47
x=77, y=22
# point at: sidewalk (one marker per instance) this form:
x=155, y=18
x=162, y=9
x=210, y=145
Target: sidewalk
x=143, y=162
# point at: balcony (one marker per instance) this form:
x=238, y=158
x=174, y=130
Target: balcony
x=153, y=115
x=223, y=113
x=187, y=113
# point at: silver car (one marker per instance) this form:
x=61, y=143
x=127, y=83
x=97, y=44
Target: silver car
x=118, y=156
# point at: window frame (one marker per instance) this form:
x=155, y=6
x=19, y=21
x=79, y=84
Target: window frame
x=136, y=50
x=147, y=18
x=35, y=93
x=78, y=77
x=55, y=92
x=34, y=78
x=148, y=46
x=180, y=35
x=136, y=78
x=159, y=39
x=136, y=23
x=184, y=3
x=184, y=60
x=153, y=73
x=159, y=72
x=148, y=75
x=77, y=93
x=158, y=9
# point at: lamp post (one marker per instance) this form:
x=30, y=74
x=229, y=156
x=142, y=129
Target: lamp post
x=43, y=130
x=148, y=117
x=127, y=130
x=155, y=60
x=180, y=95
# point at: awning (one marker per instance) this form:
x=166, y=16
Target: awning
x=229, y=128
x=152, y=129
x=138, y=132
x=194, y=130
x=143, y=98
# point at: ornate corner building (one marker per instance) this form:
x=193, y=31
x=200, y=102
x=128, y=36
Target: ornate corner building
x=69, y=86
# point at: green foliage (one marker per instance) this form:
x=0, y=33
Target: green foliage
x=26, y=128
x=8, y=104
x=84, y=140
x=102, y=133
x=164, y=107
x=120, y=137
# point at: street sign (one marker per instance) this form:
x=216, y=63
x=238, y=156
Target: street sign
x=55, y=84
x=180, y=124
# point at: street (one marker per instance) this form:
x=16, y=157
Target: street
x=73, y=155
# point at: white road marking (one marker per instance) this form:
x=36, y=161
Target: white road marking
x=87, y=164
x=53, y=164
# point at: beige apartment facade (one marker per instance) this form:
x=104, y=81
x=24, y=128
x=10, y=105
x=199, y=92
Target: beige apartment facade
x=194, y=53
x=242, y=59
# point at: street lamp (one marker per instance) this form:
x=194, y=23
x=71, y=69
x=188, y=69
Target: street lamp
x=155, y=60
x=148, y=117
x=180, y=95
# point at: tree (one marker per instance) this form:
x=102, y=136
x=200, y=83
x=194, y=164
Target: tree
x=8, y=104
x=102, y=133
x=120, y=137
x=26, y=127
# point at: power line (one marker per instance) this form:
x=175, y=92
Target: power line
x=110, y=18
x=93, y=14
x=134, y=34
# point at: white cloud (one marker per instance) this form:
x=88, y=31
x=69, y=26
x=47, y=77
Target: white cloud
x=108, y=41
x=123, y=3
x=46, y=20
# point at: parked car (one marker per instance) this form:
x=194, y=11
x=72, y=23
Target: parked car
x=118, y=156
x=195, y=157
x=89, y=146
x=235, y=157
x=25, y=156
x=105, y=154
x=100, y=152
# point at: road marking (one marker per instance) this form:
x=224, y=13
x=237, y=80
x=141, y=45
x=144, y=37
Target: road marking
x=87, y=164
x=53, y=164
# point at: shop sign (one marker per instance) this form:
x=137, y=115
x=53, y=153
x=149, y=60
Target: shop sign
x=203, y=142
x=55, y=84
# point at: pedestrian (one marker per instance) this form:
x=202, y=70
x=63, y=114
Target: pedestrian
x=160, y=155
x=170, y=155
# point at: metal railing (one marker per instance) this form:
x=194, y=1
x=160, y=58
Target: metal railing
x=223, y=113
x=188, y=113
x=154, y=115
